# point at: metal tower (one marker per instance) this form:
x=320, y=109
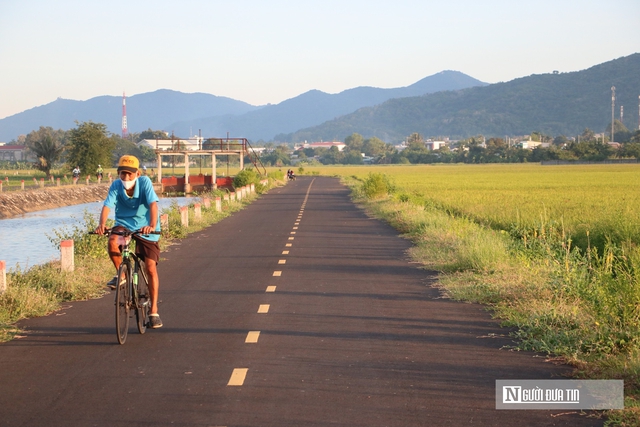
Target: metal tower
x=124, y=116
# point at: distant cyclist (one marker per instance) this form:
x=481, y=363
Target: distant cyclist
x=99, y=172
x=136, y=208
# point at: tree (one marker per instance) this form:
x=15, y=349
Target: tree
x=143, y=152
x=332, y=156
x=631, y=149
x=151, y=134
x=590, y=150
x=415, y=152
x=415, y=139
x=560, y=141
x=89, y=146
x=621, y=133
x=373, y=147
x=47, y=145
x=354, y=142
x=278, y=157
x=352, y=158
x=588, y=135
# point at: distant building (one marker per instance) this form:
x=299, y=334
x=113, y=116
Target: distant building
x=13, y=153
x=435, y=145
x=193, y=143
x=340, y=145
x=529, y=145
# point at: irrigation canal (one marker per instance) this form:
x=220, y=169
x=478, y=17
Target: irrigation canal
x=24, y=240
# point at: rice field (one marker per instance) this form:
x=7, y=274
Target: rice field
x=601, y=199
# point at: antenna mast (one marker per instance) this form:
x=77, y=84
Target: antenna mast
x=124, y=116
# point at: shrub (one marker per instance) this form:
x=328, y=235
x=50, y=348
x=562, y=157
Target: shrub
x=377, y=185
x=86, y=244
x=246, y=177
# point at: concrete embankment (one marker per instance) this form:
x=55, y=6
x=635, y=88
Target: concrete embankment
x=20, y=202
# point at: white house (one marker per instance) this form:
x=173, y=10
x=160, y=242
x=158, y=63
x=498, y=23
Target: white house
x=435, y=145
x=327, y=145
x=192, y=143
x=529, y=145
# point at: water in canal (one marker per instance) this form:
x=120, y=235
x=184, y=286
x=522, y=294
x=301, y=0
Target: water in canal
x=24, y=241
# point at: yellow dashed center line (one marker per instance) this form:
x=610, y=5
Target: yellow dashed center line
x=237, y=377
x=239, y=374
x=252, y=337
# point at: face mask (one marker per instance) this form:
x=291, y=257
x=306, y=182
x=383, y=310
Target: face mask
x=128, y=185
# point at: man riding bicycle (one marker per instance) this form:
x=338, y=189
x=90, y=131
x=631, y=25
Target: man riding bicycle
x=136, y=208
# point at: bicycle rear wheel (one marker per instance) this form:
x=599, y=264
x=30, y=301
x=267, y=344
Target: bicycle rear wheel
x=123, y=296
x=142, y=303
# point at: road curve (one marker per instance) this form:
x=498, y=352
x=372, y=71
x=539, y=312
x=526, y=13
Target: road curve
x=297, y=311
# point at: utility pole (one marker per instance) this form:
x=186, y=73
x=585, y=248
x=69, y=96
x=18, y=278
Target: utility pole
x=124, y=117
x=613, y=106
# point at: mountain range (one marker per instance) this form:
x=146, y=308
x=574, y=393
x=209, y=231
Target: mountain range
x=447, y=104
x=186, y=114
x=554, y=104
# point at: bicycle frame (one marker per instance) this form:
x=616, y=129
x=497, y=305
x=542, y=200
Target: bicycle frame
x=132, y=287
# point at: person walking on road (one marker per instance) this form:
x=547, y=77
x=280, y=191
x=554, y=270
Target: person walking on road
x=136, y=208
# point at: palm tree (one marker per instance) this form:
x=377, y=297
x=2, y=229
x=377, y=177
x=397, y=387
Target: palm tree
x=47, y=151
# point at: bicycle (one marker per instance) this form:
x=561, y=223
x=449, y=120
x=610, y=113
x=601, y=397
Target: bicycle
x=132, y=291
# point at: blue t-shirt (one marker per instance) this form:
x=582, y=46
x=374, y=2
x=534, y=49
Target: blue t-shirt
x=133, y=212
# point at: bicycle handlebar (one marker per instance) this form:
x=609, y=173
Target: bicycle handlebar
x=125, y=232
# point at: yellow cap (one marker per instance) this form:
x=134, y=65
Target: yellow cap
x=128, y=163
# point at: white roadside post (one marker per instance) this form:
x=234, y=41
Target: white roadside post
x=3, y=276
x=66, y=256
x=184, y=216
x=164, y=222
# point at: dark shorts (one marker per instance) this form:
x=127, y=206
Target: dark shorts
x=147, y=249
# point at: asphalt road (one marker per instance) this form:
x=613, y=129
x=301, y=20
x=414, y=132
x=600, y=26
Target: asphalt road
x=297, y=311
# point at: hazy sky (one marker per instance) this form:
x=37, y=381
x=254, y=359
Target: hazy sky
x=266, y=51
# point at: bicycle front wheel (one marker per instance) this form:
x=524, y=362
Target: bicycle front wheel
x=123, y=298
